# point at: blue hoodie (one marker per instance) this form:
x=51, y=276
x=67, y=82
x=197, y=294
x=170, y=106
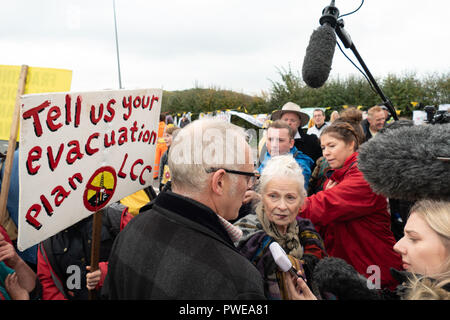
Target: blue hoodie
x=302, y=159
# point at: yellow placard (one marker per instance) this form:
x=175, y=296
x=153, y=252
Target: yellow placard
x=39, y=80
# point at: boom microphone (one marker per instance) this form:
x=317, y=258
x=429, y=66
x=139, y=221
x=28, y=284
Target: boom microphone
x=319, y=53
x=319, y=56
x=408, y=163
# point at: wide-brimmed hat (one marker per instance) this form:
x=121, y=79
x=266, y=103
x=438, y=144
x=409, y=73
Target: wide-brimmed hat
x=294, y=108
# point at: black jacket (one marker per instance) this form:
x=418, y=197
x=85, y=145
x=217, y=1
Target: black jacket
x=309, y=144
x=366, y=125
x=72, y=247
x=178, y=249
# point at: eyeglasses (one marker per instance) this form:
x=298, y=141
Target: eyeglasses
x=251, y=181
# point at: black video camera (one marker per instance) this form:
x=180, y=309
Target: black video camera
x=436, y=116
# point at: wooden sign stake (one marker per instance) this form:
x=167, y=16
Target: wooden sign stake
x=95, y=244
x=12, y=145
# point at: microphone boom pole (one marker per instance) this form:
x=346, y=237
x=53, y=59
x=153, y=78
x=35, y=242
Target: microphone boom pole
x=329, y=16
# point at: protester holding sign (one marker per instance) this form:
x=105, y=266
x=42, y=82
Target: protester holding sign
x=29, y=255
x=64, y=259
x=17, y=279
x=98, y=147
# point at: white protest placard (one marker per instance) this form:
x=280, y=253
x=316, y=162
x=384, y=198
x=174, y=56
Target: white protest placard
x=80, y=152
x=419, y=117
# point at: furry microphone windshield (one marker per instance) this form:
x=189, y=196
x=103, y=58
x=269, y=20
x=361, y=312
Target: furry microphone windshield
x=408, y=163
x=335, y=276
x=319, y=56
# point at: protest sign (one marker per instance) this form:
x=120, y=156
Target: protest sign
x=255, y=119
x=38, y=80
x=80, y=152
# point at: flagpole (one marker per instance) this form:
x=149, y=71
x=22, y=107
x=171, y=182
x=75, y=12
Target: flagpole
x=117, y=44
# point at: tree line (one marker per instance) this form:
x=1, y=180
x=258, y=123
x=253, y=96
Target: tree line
x=407, y=92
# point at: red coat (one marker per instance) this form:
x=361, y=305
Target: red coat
x=354, y=223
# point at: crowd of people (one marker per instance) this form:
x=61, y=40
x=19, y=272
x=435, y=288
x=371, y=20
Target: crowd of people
x=206, y=233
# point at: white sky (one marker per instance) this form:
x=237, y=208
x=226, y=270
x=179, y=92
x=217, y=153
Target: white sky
x=228, y=44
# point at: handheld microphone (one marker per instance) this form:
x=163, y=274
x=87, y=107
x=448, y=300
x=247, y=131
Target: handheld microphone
x=408, y=163
x=320, y=51
x=281, y=259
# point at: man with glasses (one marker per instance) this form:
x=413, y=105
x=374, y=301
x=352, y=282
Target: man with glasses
x=181, y=247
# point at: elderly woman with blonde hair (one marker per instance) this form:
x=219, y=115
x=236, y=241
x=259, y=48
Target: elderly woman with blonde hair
x=281, y=191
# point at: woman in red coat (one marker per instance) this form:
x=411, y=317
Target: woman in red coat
x=353, y=221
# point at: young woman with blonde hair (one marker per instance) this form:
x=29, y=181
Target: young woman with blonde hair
x=425, y=251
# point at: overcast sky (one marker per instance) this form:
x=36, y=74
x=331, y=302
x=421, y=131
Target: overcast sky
x=232, y=44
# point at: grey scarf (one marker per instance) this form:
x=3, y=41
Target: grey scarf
x=288, y=241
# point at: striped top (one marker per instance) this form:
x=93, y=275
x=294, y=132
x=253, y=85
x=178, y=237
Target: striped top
x=234, y=232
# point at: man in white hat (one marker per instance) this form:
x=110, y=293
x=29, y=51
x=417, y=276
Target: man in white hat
x=308, y=144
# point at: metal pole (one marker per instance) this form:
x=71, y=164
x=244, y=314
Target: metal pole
x=117, y=44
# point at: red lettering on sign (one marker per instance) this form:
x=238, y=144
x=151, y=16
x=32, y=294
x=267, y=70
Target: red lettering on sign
x=137, y=102
x=153, y=136
x=145, y=104
x=146, y=136
x=132, y=175
x=48, y=208
x=121, y=174
x=142, y=181
x=123, y=136
x=61, y=195
x=68, y=109
x=52, y=162
x=127, y=105
x=31, y=219
x=112, y=140
x=34, y=112
x=53, y=114
x=79, y=178
x=77, y=111
x=33, y=155
x=89, y=150
x=95, y=120
x=133, y=130
x=111, y=111
x=153, y=100
x=74, y=153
